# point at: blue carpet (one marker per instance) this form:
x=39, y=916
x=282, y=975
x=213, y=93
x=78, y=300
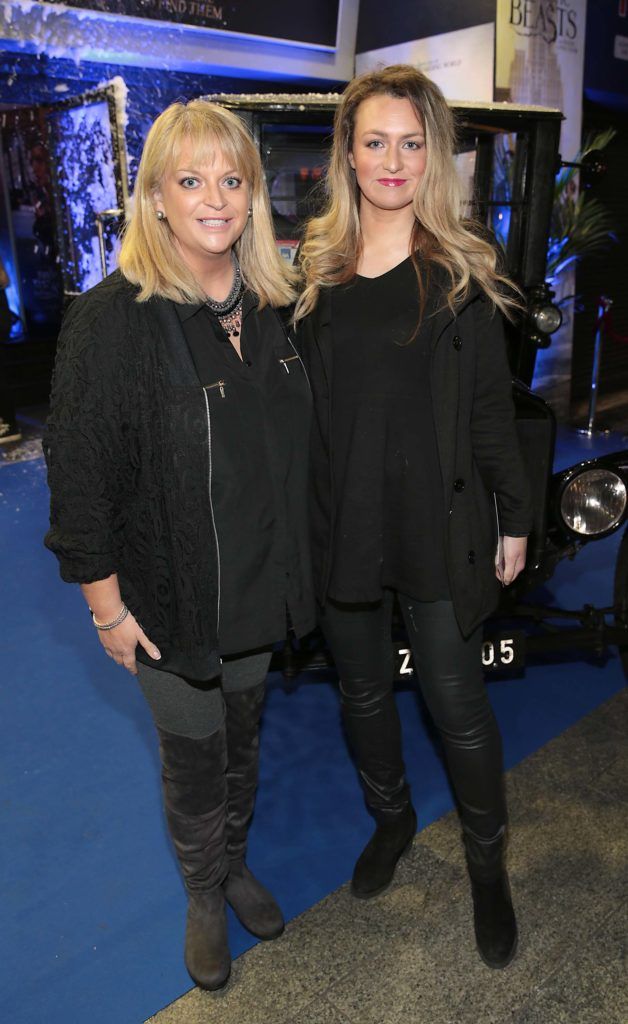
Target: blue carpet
x=93, y=909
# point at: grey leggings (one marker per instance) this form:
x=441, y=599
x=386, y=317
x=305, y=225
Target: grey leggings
x=197, y=709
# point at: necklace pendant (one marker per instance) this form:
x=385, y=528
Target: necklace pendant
x=234, y=298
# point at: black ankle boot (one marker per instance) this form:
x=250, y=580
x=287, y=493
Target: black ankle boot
x=195, y=797
x=374, y=733
x=376, y=864
x=253, y=905
x=493, y=914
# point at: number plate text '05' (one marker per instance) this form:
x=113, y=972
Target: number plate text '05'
x=499, y=652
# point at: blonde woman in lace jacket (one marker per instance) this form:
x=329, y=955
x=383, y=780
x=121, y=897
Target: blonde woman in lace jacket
x=180, y=413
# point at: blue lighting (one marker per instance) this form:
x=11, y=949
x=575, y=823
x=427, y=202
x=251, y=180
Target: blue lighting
x=500, y=223
x=11, y=292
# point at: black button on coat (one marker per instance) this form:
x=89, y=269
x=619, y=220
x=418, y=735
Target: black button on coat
x=477, y=443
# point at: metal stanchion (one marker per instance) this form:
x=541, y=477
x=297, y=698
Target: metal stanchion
x=603, y=311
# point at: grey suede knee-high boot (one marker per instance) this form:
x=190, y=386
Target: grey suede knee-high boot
x=195, y=800
x=255, y=907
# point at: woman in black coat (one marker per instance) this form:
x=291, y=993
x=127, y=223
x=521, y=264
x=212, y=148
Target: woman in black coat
x=418, y=488
x=180, y=413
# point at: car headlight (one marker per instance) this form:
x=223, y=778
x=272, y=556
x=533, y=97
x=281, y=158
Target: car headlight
x=547, y=318
x=544, y=317
x=594, y=501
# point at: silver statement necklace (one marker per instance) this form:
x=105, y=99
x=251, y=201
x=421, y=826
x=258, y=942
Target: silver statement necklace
x=229, y=311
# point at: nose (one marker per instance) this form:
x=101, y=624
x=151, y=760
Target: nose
x=392, y=161
x=213, y=196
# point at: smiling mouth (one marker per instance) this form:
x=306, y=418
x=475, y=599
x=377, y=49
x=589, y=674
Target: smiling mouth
x=215, y=222
x=392, y=182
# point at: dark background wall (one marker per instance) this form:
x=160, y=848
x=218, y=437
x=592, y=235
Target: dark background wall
x=605, y=105
x=606, y=76
x=605, y=275
x=417, y=19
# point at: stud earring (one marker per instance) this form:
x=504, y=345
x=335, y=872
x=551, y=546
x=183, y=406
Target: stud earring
x=250, y=211
x=161, y=215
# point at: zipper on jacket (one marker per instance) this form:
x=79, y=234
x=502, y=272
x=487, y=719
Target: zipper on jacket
x=294, y=349
x=297, y=356
x=496, y=515
x=499, y=547
x=219, y=384
x=288, y=359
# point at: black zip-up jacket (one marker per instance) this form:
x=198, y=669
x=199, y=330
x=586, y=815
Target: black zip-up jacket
x=482, y=470
x=128, y=447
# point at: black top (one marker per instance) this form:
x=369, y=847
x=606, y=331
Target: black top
x=478, y=446
x=128, y=445
x=252, y=450
x=387, y=482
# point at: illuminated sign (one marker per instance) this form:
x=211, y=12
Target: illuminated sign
x=313, y=24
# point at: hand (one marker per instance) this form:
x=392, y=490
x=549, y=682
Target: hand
x=510, y=558
x=121, y=641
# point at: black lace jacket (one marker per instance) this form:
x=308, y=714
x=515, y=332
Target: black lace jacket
x=127, y=453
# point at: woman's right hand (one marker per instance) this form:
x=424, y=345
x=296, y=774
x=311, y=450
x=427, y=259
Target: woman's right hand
x=121, y=641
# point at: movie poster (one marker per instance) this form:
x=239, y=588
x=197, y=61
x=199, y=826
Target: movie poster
x=539, y=59
x=460, y=62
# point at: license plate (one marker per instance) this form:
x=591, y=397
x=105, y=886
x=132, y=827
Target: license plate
x=504, y=651
x=499, y=652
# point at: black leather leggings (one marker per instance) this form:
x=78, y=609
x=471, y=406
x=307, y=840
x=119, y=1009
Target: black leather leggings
x=450, y=676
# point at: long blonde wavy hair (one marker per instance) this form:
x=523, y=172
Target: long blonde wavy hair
x=149, y=257
x=332, y=242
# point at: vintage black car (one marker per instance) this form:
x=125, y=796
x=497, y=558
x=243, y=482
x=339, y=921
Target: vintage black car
x=510, y=156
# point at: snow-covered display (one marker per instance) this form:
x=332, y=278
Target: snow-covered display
x=86, y=181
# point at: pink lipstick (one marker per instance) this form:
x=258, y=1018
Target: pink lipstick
x=392, y=182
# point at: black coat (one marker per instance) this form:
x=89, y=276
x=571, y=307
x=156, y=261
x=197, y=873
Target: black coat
x=128, y=447
x=480, y=462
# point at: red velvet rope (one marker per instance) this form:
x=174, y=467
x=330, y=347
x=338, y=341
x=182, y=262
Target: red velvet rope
x=606, y=322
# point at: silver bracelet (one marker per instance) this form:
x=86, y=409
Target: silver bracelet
x=120, y=617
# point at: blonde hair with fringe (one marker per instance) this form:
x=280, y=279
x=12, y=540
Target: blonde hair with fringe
x=148, y=256
x=332, y=242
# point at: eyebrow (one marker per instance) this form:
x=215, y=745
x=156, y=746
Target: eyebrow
x=384, y=135
x=191, y=170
